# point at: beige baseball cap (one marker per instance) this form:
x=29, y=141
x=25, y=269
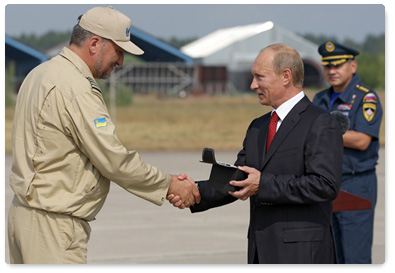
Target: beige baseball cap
x=111, y=24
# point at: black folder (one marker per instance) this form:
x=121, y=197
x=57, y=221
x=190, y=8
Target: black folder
x=222, y=173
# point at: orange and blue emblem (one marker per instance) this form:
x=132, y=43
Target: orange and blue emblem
x=100, y=122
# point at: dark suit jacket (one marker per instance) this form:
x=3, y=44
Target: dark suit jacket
x=290, y=217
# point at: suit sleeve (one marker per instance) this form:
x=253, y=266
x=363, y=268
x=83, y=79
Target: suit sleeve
x=211, y=197
x=323, y=153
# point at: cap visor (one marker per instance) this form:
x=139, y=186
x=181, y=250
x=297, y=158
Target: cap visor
x=130, y=47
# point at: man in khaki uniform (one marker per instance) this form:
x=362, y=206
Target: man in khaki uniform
x=66, y=152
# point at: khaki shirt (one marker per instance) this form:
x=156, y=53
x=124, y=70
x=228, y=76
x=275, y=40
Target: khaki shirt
x=65, y=150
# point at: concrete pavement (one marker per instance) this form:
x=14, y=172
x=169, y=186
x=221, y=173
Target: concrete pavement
x=130, y=230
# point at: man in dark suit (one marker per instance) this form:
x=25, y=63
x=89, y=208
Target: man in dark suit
x=292, y=181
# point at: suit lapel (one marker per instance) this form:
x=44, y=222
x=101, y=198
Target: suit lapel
x=263, y=139
x=286, y=127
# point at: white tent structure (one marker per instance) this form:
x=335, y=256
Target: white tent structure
x=236, y=48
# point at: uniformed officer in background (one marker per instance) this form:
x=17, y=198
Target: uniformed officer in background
x=66, y=152
x=361, y=104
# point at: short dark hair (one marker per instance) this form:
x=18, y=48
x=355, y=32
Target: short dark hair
x=79, y=35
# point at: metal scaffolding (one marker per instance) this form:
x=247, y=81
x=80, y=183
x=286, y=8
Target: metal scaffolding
x=165, y=78
x=169, y=79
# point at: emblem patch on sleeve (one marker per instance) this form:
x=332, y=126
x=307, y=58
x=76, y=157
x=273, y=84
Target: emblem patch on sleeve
x=100, y=122
x=370, y=97
x=369, y=110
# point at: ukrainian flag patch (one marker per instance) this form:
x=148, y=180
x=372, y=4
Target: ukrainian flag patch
x=100, y=122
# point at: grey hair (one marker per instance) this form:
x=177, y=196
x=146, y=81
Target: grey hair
x=287, y=57
x=79, y=35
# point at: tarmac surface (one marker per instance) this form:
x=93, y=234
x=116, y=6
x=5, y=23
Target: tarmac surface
x=129, y=230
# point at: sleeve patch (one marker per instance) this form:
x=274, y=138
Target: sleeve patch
x=370, y=97
x=100, y=122
x=369, y=111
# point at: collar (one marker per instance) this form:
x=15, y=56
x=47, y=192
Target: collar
x=345, y=94
x=283, y=110
x=76, y=61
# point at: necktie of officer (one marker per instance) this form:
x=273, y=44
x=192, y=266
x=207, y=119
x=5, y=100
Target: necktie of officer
x=272, y=129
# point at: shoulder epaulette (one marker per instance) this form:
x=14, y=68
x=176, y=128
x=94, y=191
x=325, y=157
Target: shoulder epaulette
x=362, y=88
x=94, y=84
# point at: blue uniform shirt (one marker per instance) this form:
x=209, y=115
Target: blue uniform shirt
x=362, y=106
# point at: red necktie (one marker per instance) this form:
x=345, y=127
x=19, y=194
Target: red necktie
x=272, y=129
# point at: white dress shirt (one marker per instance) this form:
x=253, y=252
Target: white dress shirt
x=283, y=110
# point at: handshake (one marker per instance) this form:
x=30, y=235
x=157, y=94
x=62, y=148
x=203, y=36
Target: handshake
x=183, y=191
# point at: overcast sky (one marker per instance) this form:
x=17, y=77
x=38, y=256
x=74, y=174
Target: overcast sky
x=353, y=21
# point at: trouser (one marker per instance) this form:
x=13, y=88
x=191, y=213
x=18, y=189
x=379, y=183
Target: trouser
x=39, y=237
x=354, y=229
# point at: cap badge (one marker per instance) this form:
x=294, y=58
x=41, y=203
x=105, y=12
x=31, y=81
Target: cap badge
x=127, y=32
x=329, y=46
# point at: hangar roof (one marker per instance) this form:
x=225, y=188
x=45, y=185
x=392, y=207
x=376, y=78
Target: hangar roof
x=156, y=50
x=18, y=51
x=231, y=45
x=222, y=38
x=25, y=57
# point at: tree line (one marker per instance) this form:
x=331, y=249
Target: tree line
x=371, y=61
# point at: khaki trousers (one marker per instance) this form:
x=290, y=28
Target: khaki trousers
x=40, y=237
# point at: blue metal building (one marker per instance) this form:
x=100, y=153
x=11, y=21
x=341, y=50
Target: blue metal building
x=24, y=57
x=156, y=50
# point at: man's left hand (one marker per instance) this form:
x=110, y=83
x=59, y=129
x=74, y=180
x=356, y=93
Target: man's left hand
x=249, y=186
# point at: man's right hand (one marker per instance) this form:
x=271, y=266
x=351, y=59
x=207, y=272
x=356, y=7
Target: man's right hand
x=183, y=188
